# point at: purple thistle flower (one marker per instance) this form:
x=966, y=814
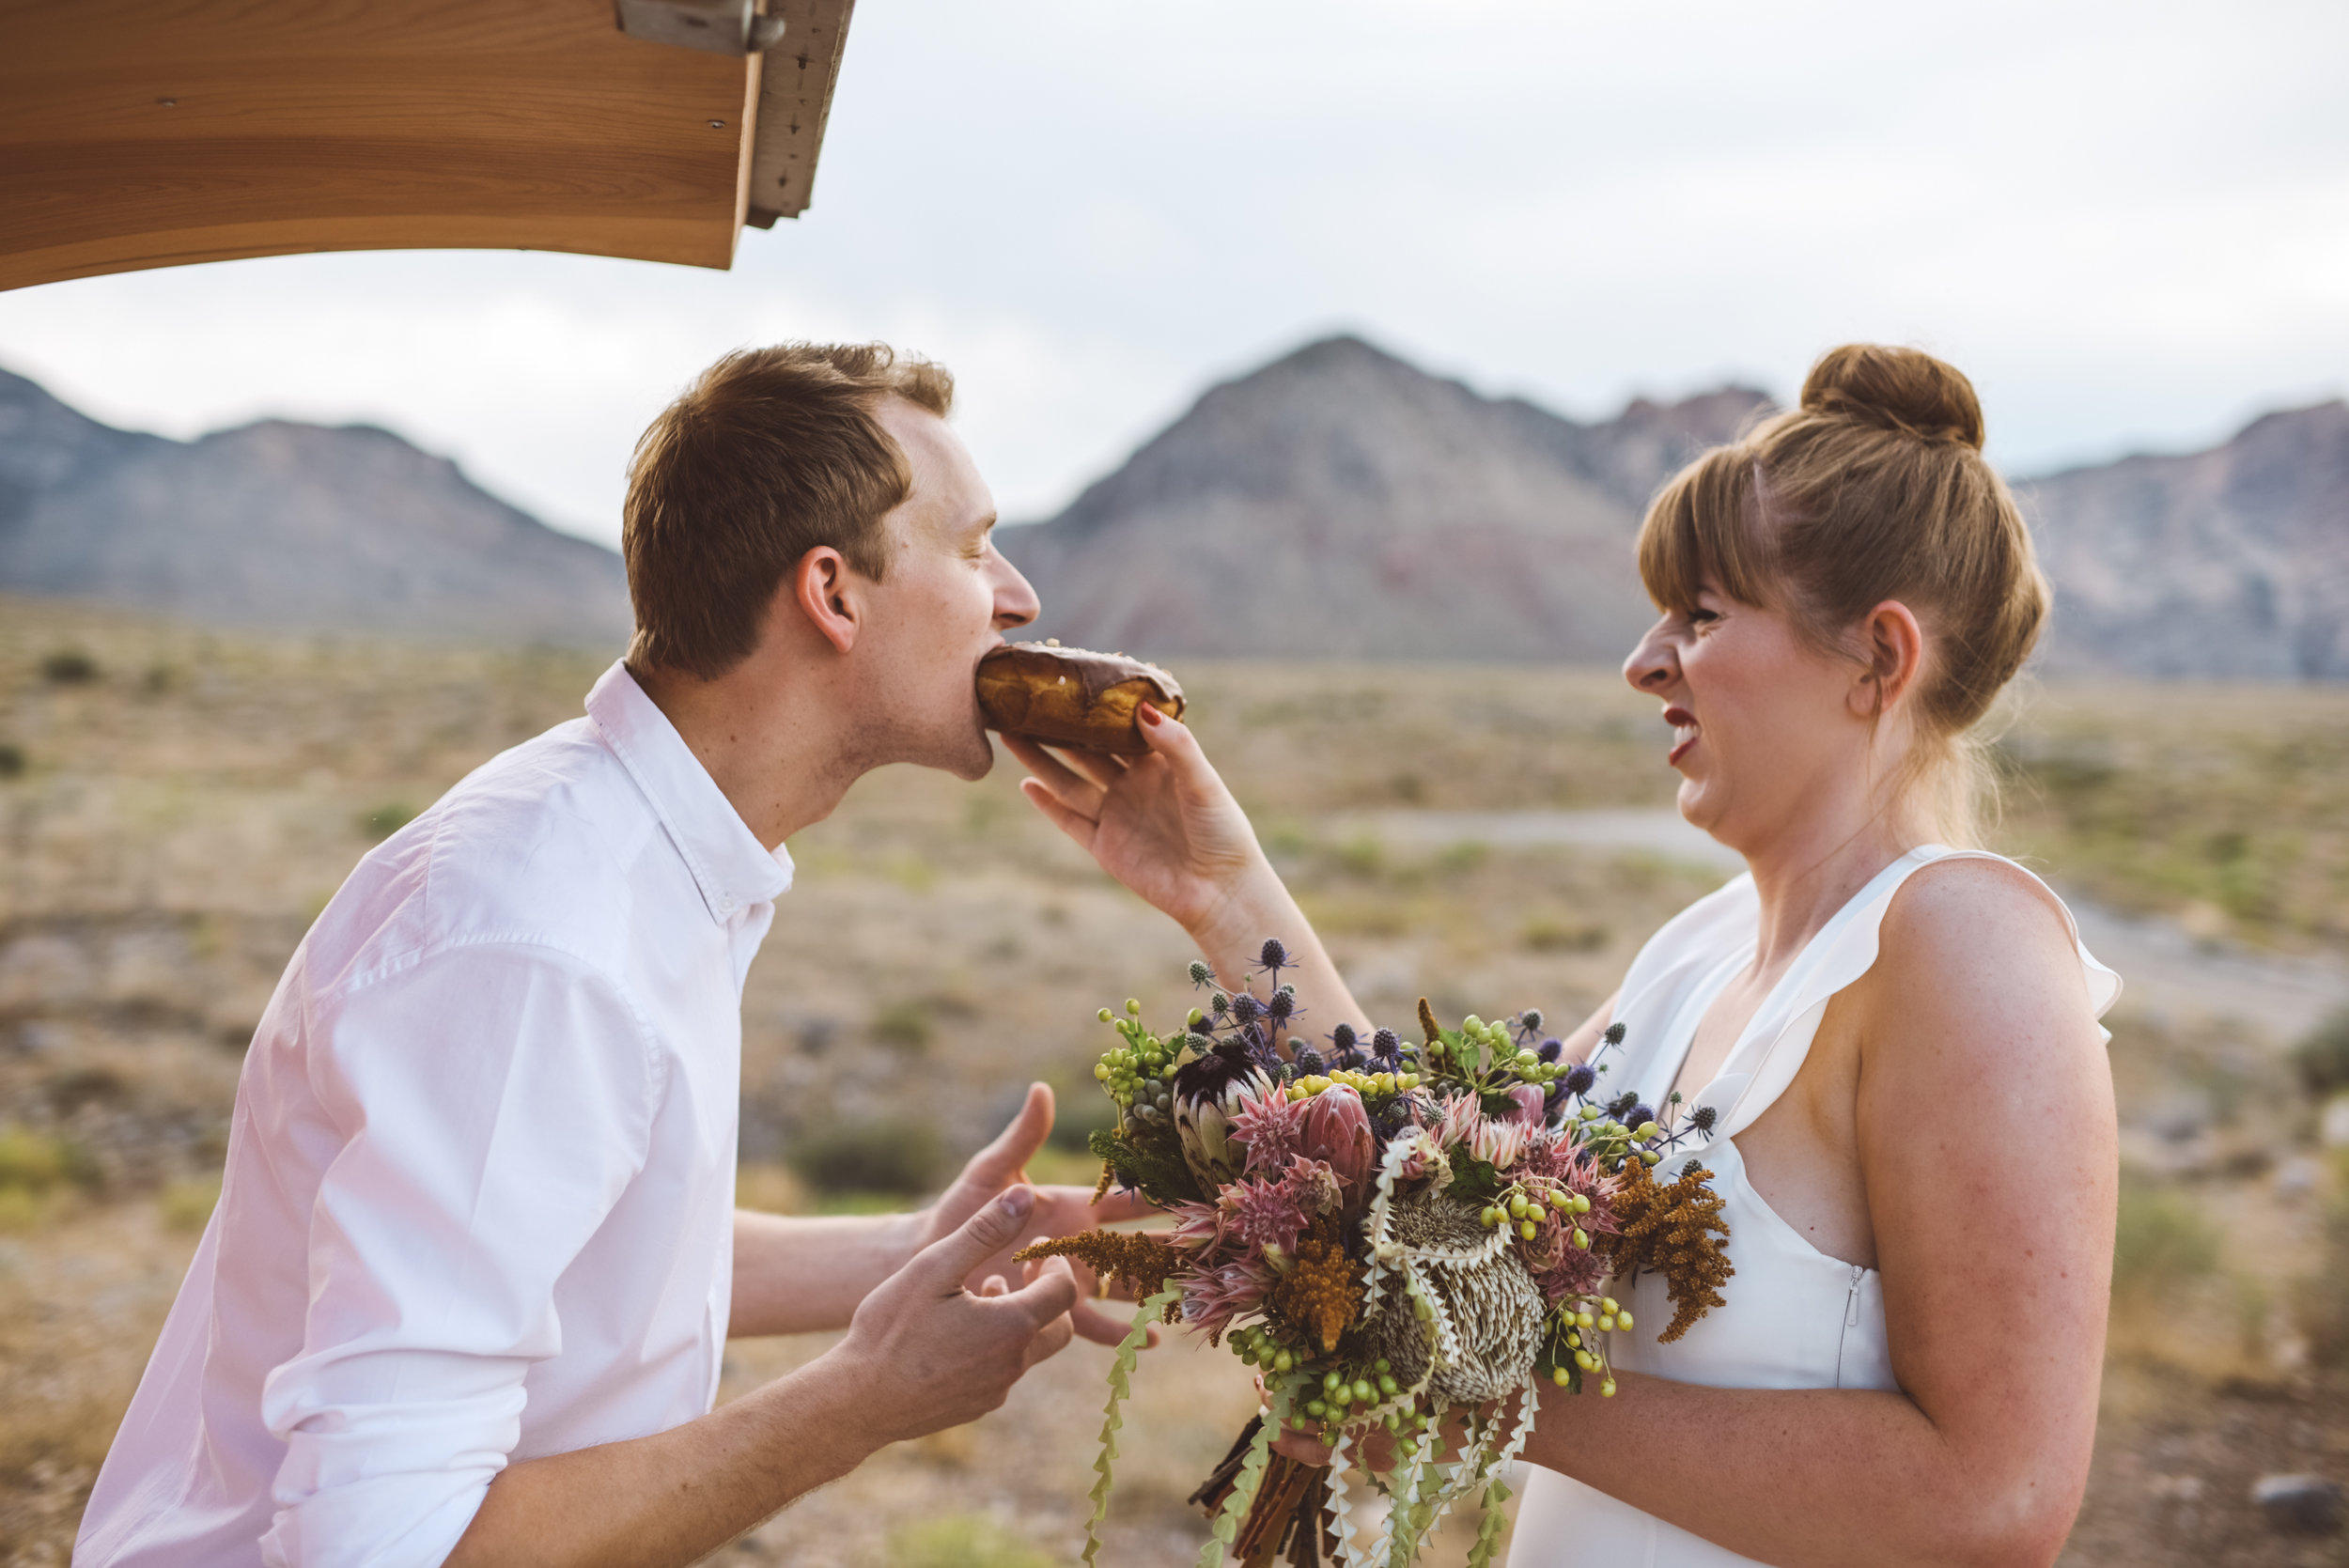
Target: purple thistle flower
x=1273, y=956
x=1307, y=1061
x=1201, y=974
x=1547, y=1051
x=1387, y=1045
x=1245, y=1007
x=1580, y=1078
x=1283, y=1006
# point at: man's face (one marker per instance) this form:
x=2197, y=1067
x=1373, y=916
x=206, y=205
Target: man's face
x=946, y=597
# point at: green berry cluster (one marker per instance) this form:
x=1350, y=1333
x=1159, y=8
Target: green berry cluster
x=1137, y=1073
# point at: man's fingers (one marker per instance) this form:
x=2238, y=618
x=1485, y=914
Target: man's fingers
x=1050, y=1294
x=1108, y=1328
x=1121, y=1205
x=1003, y=1159
x=957, y=1255
x=1050, y=1341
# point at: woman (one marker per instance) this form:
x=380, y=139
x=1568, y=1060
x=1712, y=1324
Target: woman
x=1892, y=1042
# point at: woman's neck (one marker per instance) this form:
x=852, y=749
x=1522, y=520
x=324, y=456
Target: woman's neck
x=1812, y=869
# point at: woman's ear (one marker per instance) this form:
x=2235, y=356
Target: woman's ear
x=823, y=589
x=1894, y=645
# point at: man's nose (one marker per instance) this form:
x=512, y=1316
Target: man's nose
x=1016, y=604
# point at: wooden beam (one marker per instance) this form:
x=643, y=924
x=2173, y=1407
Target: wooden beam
x=150, y=132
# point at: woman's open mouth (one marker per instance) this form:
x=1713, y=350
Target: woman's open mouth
x=1684, y=725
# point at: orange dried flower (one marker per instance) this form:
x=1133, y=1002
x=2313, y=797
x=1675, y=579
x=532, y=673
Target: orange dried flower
x=1134, y=1259
x=1674, y=1230
x=1322, y=1293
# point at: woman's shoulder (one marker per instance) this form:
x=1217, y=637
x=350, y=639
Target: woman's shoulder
x=1961, y=923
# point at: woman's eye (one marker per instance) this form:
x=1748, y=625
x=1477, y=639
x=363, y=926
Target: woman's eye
x=1701, y=617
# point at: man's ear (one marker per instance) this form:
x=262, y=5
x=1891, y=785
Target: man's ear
x=1894, y=646
x=825, y=590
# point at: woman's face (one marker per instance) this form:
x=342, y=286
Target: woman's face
x=1763, y=723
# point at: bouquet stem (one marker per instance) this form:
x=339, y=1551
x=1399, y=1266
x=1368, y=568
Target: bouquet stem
x=1287, y=1519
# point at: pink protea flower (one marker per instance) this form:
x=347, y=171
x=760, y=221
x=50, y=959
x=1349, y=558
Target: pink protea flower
x=1528, y=1106
x=1337, y=1131
x=1313, y=1184
x=1198, y=1227
x=1498, y=1142
x=1457, y=1127
x=1217, y=1296
x=1271, y=1128
x=1260, y=1217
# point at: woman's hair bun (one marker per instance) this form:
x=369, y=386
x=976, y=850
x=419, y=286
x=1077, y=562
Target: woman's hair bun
x=1899, y=389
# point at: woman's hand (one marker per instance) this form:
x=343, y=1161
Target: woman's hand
x=1166, y=827
x=1162, y=824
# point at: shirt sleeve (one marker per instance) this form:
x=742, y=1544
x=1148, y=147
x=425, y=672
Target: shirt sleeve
x=493, y=1103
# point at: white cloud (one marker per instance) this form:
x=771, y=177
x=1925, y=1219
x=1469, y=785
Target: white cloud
x=2130, y=223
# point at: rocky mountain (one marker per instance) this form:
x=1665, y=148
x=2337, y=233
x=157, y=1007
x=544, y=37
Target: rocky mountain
x=285, y=525
x=2226, y=564
x=1341, y=503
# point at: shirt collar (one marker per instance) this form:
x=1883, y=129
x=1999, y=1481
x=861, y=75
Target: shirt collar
x=730, y=866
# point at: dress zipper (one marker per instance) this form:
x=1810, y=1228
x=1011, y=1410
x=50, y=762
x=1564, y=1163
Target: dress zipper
x=1851, y=1319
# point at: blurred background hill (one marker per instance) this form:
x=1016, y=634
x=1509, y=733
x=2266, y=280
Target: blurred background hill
x=287, y=525
x=1338, y=502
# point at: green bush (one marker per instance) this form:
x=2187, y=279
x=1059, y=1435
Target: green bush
x=884, y=1154
x=12, y=759
x=31, y=1162
x=2162, y=1240
x=68, y=667
x=2322, y=1058
x=903, y=1026
x=961, y=1541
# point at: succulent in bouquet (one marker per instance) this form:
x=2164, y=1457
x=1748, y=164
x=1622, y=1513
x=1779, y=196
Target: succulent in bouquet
x=1408, y=1241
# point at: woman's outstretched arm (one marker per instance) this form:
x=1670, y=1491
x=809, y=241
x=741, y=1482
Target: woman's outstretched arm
x=1166, y=827
x=1986, y=1141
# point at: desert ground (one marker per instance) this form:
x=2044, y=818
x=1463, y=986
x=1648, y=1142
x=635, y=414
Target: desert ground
x=177, y=804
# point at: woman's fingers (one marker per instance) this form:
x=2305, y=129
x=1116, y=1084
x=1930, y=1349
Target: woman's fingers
x=1100, y=766
x=1055, y=775
x=1074, y=823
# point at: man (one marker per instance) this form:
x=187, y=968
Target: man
x=475, y=1260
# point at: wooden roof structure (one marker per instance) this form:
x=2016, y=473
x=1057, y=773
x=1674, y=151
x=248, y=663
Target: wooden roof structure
x=153, y=133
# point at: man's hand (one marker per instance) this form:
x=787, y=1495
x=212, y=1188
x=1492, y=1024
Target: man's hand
x=1059, y=1211
x=926, y=1354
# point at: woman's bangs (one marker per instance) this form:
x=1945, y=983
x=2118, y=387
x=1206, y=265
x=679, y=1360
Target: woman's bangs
x=1696, y=534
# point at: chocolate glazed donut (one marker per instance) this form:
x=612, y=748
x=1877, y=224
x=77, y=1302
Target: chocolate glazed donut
x=1073, y=696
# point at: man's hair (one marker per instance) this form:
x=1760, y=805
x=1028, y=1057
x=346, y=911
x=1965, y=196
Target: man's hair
x=770, y=453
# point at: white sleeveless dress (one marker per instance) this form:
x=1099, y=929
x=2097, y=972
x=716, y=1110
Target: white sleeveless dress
x=1795, y=1318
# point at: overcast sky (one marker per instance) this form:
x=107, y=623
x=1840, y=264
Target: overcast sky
x=2129, y=222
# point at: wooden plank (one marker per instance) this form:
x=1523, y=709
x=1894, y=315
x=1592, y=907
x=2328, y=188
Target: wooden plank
x=794, y=104
x=143, y=132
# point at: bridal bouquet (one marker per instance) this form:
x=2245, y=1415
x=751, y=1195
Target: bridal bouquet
x=1406, y=1240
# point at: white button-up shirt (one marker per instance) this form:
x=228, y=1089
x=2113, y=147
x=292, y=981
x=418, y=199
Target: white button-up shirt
x=480, y=1183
